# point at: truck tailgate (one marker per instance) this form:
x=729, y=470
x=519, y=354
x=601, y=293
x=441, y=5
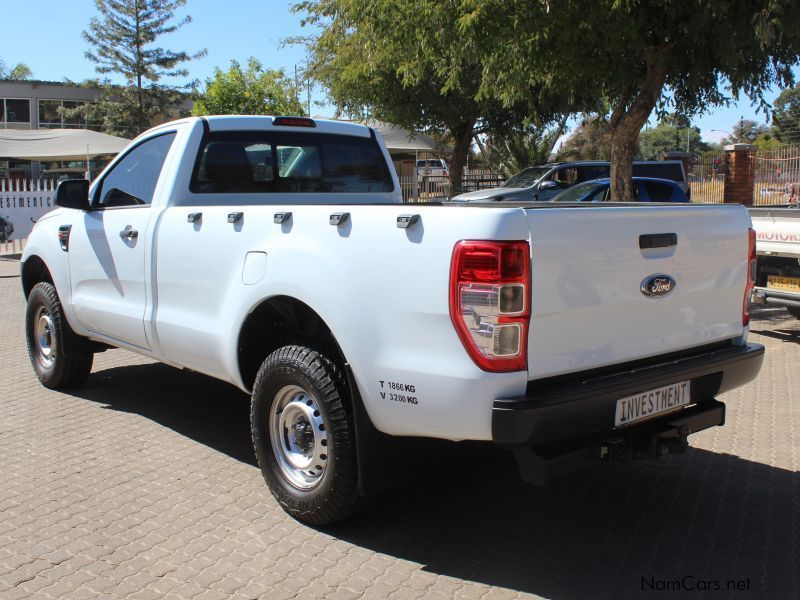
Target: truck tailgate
x=588, y=308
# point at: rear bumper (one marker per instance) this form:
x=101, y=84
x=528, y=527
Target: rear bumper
x=583, y=407
x=763, y=295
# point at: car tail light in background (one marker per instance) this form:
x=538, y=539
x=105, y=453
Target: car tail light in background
x=751, y=275
x=490, y=302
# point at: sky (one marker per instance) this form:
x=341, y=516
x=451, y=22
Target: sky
x=229, y=29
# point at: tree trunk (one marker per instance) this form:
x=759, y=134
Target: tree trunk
x=626, y=122
x=622, y=168
x=462, y=140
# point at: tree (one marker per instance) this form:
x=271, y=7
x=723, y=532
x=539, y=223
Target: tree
x=250, y=91
x=19, y=72
x=409, y=63
x=745, y=131
x=636, y=56
x=523, y=147
x=669, y=135
x=591, y=140
x=123, y=41
x=786, y=116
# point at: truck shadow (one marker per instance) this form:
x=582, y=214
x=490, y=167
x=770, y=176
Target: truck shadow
x=614, y=532
x=785, y=335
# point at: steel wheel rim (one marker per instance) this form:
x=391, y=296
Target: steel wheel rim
x=298, y=435
x=44, y=337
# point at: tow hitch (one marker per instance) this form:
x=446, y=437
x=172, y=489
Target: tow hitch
x=650, y=440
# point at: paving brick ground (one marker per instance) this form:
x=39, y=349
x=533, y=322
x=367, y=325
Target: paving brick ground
x=143, y=484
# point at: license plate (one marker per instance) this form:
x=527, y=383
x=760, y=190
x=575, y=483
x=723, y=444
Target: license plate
x=789, y=284
x=651, y=403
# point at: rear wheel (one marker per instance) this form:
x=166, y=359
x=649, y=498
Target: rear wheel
x=303, y=435
x=47, y=330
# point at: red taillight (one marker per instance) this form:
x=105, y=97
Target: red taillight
x=294, y=122
x=490, y=302
x=751, y=275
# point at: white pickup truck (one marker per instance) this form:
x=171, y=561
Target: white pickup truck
x=276, y=254
x=778, y=249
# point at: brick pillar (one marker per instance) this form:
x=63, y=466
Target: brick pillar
x=739, y=175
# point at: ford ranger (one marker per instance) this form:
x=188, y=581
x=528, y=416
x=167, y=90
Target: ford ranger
x=275, y=253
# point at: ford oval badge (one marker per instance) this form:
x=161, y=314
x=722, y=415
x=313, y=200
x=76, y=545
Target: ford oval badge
x=657, y=285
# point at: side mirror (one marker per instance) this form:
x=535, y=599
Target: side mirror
x=549, y=185
x=73, y=193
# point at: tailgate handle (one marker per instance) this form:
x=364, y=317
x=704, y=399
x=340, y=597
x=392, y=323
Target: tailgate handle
x=658, y=240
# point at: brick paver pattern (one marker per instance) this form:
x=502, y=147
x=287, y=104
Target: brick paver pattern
x=143, y=484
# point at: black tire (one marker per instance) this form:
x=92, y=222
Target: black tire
x=54, y=366
x=794, y=311
x=333, y=496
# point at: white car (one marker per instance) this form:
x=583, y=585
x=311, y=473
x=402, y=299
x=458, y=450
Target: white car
x=778, y=248
x=275, y=254
x=432, y=167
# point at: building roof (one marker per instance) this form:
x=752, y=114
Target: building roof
x=57, y=144
x=398, y=139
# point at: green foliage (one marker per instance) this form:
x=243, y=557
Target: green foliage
x=522, y=148
x=637, y=56
x=786, y=116
x=767, y=141
x=745, y=131
x=123, y=41
x=591, y=140
x=411, y=63
x=670, y=135
x=19, y=72
x=250, y=91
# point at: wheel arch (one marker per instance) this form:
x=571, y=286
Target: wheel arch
x=281, y=321
x=34, y=270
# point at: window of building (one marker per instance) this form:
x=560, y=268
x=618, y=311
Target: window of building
x=16, y=113
x=49, y=114
x=68, y=114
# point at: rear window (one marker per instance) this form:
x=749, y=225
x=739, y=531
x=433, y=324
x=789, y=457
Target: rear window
x=431, y=163
x=270, y=162
x=671, y=171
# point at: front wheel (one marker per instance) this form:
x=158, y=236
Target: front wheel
x=303, y=435
x=46, y=330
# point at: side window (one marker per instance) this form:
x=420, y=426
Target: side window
x=598, y=195
x=593, y=172
x=566, y=177
x=133, y=179
x=658, y=192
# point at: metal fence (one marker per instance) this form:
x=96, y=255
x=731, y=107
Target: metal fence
x=776, y=176
x=430, y=188
x=707, y=178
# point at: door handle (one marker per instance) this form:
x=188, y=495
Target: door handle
x=658, y=240
x=129, y=233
